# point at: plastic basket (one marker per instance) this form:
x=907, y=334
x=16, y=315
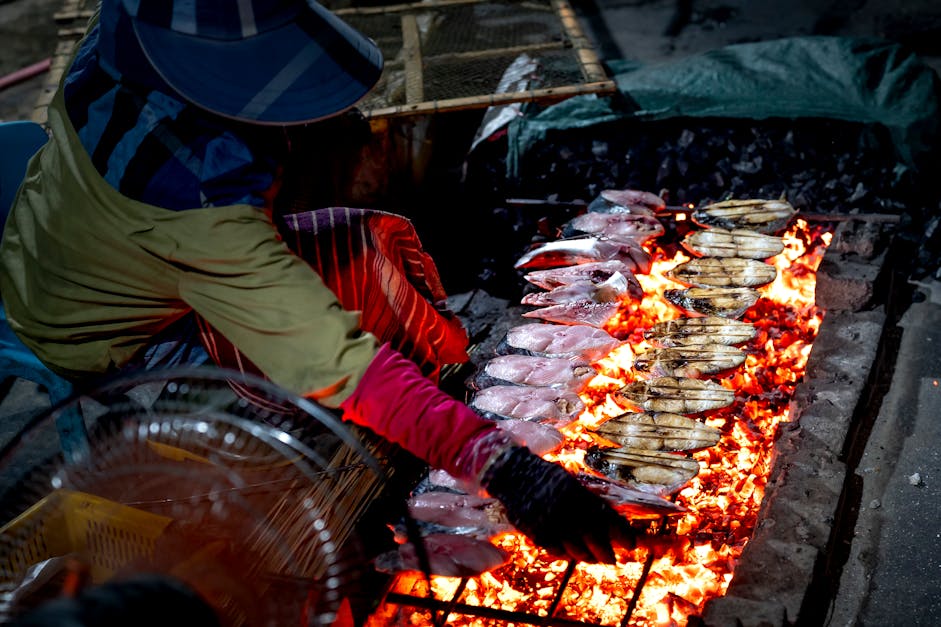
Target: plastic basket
x=104, y=534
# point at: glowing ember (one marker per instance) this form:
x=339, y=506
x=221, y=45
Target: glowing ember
x=696, y=560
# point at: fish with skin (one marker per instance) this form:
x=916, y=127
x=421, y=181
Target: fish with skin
x=676, y=395
x=577, y=312
x=718, y=242
x=625, y=226
x=576, y=250
x=658, y=431
x=723, y=272
x=552, y=372
x=595, y=272
x=549, y=406
x=700, y=330
x=629, y=501
x=670, y=470
x=611, y=291
x=558, y=340
x=728, y=302
x=627, y=201
x=693, y=361
x=764, y=216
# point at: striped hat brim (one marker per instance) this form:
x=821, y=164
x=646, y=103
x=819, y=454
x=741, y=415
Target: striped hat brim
x=309, y=69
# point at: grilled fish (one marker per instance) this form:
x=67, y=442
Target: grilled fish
x=694, y=361
x=629, y=501
x=667, y=469
x=764, y=216
x=558, y=340
x=576, y=250
x=658, y=431
x=611, y=291
x=624, y=226
x=677, y=395
x=577, y=312
x=627, y=201
x=553, y=372
x=703, y=330
x=728, y=302
x=546, y=405
x=723, y=272
x=735, y=243
x=595, y=272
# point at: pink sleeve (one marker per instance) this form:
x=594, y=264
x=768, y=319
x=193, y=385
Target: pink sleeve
x=398, y=403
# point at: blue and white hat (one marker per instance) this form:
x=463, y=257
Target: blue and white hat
x=259, y=61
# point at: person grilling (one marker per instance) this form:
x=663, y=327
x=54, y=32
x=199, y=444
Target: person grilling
x=148, y=233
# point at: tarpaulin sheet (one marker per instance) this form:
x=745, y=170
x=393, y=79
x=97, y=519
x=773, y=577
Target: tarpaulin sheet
x=855, y=79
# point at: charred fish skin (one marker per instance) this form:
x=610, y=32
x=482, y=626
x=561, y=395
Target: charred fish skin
x=676, y=395
x=658, y=431
x=764, y=216
x=670, y=470
x=701, y=330
x=723, y=272
x=695, y=361
x=718, y=242
x=730, y=302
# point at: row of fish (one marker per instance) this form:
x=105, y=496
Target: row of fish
x=651, y=445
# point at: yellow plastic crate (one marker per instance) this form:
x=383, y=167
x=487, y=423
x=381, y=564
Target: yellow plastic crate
x=104, y=534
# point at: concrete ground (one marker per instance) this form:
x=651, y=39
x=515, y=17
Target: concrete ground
x=893, y=573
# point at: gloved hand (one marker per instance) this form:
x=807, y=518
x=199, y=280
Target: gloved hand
x=542, y=499
x=548, y=504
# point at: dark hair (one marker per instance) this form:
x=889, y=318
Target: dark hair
x=142, y=601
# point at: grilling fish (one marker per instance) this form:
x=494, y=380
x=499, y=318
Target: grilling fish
x=728, y=302
x=558, y=340
x=611, y=291
x=670, y=470
x=553, y=372
x=723, y=272
x=575, y=250
x=578, y=312
x=627, y=201
x=628, y=501
x=623, y=226
x=539, y=404
x=702, y=330
x=676, y=395
x=658, y=431
x=694, y=361
x=764, y=216
x=595, y=272
x=735, y=243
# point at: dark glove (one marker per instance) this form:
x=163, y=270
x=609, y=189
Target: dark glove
x=550, y=506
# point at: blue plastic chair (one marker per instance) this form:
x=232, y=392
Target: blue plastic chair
x=19, y=141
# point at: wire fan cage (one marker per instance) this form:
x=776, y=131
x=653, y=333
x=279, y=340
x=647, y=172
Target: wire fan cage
x=452, y=54
x=254, y=503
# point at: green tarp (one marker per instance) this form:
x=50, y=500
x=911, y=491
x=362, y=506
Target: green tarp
x=860, y=80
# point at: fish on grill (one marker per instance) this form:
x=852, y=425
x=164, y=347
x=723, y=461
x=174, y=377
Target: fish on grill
x=717, y=242
x=701, y=330
x=611, y=291
x=548, y=406
x=449, y=555
x=576, y=250
x=670, y=470
x=658, y=431
x=695, y=361
x=553, y=372
x=624, y=226
x=764, y=216
x=723, y=272
x=727, y=302
x=537, y=437
x=628, y=501
x=460, y=511
x=676, y=395
x=595, y=272
x=627, y=201
x=558, y=340
x=577, y=312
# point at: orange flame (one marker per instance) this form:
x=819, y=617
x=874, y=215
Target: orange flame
x=722, y=500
